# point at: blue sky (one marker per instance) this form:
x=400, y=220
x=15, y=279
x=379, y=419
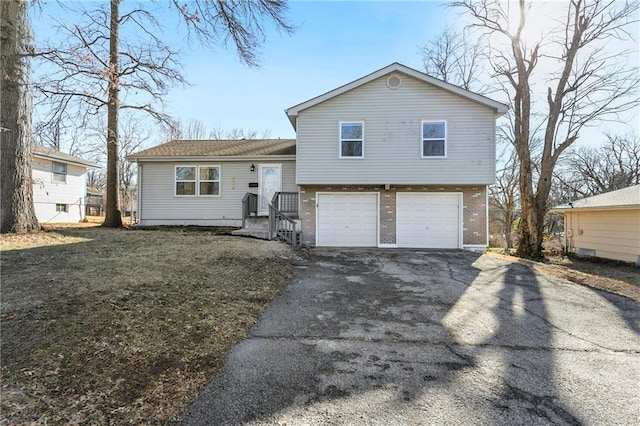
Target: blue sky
x=335, y=42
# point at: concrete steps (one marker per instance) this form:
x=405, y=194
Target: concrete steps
x=257, y=227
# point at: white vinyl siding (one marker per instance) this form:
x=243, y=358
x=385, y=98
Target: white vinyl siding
x=50, y=194
x=393, y=137
x=158, y=205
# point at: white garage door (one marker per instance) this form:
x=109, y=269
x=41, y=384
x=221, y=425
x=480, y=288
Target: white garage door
x=428, y=220
x=347, y=220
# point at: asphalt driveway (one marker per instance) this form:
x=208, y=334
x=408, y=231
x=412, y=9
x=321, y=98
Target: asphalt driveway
x=396, y=337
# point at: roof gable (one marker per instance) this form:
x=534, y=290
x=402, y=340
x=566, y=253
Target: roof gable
x=179, y=149
x=622, y=198
x=293, y=112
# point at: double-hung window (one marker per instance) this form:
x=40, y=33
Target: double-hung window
x=197, y=180
x=59, y=172
x=209, y=180
x=434, y=139
x=352, y=140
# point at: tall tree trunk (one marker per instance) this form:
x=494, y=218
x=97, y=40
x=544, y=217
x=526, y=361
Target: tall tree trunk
x=112, y=217
x=17, y=213
x=508, y=220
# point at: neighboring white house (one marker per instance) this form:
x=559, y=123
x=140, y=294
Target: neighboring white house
x=396, y=158
x=59, y=185
x=605, y=225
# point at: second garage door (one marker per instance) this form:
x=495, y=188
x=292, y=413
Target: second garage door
x=428, y=220
x=347, y=220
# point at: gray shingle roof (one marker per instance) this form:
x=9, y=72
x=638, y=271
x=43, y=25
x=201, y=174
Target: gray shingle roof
x=622, y=198
x=218, y=148
x=53, y=154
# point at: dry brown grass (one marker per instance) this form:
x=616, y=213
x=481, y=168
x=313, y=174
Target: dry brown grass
x=614, y=277
x=121, y=326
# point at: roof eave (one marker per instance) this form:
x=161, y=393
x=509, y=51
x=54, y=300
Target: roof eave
x=563, y=209
x=138, y=159
x=66, y=160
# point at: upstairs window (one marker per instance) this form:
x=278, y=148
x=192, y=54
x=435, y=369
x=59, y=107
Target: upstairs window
x=197, y=180
x=352, y=140
x=434, y=139
x=59, y=172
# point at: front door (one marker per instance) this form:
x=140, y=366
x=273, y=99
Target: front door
x=269, y=182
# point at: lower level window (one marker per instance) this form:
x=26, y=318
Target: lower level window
x=62, y=208
x=197, y=180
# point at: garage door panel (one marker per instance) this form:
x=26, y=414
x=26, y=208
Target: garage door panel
x=347, y=220
x=428, y=220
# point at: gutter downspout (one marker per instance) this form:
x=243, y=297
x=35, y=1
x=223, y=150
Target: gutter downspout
x=139, y=194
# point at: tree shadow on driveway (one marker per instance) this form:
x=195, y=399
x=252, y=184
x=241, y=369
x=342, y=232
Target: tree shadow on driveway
x=405, y=337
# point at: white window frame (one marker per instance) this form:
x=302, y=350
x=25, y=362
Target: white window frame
x=175, y=180
x=54, y=173
x=62, y=208
x=340, y=140
x=423, y=139
x=219, y=180
x=197, y=180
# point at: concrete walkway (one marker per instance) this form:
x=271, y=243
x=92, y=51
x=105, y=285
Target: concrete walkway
x=399, y=337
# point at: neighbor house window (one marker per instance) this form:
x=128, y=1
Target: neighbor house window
x=59, y=172
x=62, y=208
x=197, y=180
x=352, y=140
x=434, y=139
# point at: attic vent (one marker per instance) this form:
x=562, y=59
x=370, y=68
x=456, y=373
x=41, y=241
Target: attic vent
x=394, y=81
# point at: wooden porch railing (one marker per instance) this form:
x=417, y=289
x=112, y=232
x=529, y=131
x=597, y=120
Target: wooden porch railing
x=280, y=225
x=249, y=205
x=286, y=202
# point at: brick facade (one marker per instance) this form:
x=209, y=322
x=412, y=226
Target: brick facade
x=474, y=216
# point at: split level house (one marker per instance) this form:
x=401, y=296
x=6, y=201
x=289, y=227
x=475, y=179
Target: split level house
x=59, y=185
x=396, y=158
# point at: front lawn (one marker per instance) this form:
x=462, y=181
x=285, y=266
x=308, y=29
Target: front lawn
x=122, y=326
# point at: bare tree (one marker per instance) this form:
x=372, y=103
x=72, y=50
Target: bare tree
x=238, y=133
x=97, y=69
x=17, y=213
x=503, y=195
x=590, y=83
x=453, y=58
x=595, y=170
x=196, y=130
x=134, y=136
x=193, y=130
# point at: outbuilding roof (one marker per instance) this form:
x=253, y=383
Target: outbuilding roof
x=54, y=154
x=620, y=199
x=185, y=149
x=499, y=107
